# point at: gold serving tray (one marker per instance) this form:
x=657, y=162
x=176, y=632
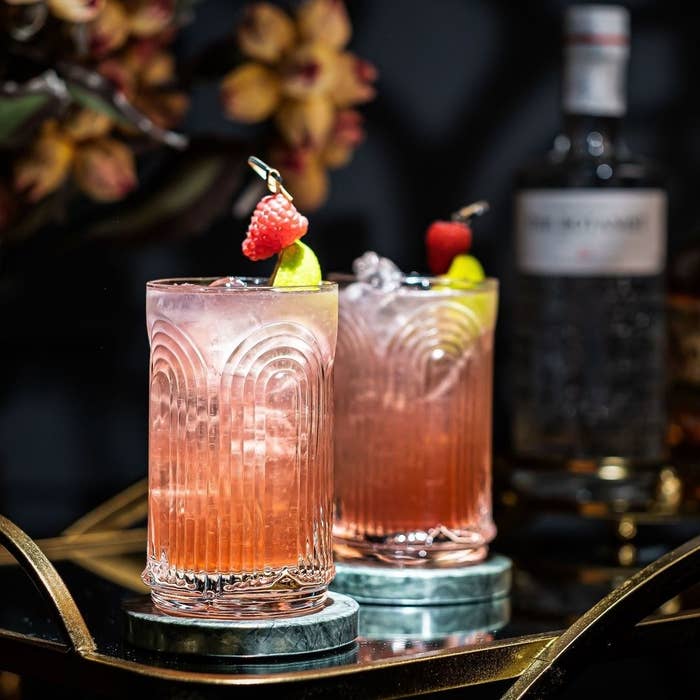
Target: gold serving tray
x=110, y=542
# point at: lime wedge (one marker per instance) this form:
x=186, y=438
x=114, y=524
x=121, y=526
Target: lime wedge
x=466, y=267
x=297, y=266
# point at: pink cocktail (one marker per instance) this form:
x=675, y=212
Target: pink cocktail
x=413, y=388
x=240, y=447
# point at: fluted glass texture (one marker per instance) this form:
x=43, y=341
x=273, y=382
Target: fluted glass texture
x=413, y=387
x=240, y=447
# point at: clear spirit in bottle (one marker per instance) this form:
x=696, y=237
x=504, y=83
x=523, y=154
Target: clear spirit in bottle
x=590, y=361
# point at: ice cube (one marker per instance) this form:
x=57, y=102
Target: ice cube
x=355, y=291
x=365, y=265
x=377, y=271
x=228, y=282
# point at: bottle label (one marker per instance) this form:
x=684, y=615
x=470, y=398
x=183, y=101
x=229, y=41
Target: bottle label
x=594, y=79
x=585, y=232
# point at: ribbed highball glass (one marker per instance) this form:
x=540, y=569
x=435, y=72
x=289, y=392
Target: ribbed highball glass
x=240, y=447
x=413, y=410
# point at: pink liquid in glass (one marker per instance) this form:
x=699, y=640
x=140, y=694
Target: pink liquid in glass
x=413, y=388
x=240, y=440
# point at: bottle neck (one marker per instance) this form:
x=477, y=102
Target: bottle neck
x=593, y=97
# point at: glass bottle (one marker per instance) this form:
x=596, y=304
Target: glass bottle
x=591, y=242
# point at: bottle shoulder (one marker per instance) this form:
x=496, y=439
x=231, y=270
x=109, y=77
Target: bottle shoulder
x=557, y=170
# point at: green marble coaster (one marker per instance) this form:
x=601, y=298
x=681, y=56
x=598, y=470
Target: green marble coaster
x=427, y=623
x=332, y=627
x=376, y=583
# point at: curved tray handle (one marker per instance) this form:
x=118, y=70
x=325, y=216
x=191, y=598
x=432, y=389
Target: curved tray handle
x=45, y=577
x=606, y=623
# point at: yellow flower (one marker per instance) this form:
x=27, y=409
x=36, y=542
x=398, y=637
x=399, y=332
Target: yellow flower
x=308, y=70
x=250, y=93
x=118, y=74
x=304, y=176
x=149, y=17
x=104, y=169
x=305, y=122
x=299, y=75
x=109, y=30
x=165, y=109
x=265, y=32
x=158, y=69
x=143, y=71
x=76, y=10
x=345, y=137
x=326, y=21
x=44, y=168
x=353, y=80
x=84, y=124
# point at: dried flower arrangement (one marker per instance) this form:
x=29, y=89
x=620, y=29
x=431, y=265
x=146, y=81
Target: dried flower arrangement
x=298, y=73
x=90, y=88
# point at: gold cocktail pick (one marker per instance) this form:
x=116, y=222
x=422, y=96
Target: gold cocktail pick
x=474, y=209
x=271, y=176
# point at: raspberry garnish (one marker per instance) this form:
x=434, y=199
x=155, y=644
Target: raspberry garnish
x=445, y=240
x=275, y=224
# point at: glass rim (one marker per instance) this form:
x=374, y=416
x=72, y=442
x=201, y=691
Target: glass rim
x=488, y=284
x=200, y=285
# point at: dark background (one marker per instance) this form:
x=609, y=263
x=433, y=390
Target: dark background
x=468, y=91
